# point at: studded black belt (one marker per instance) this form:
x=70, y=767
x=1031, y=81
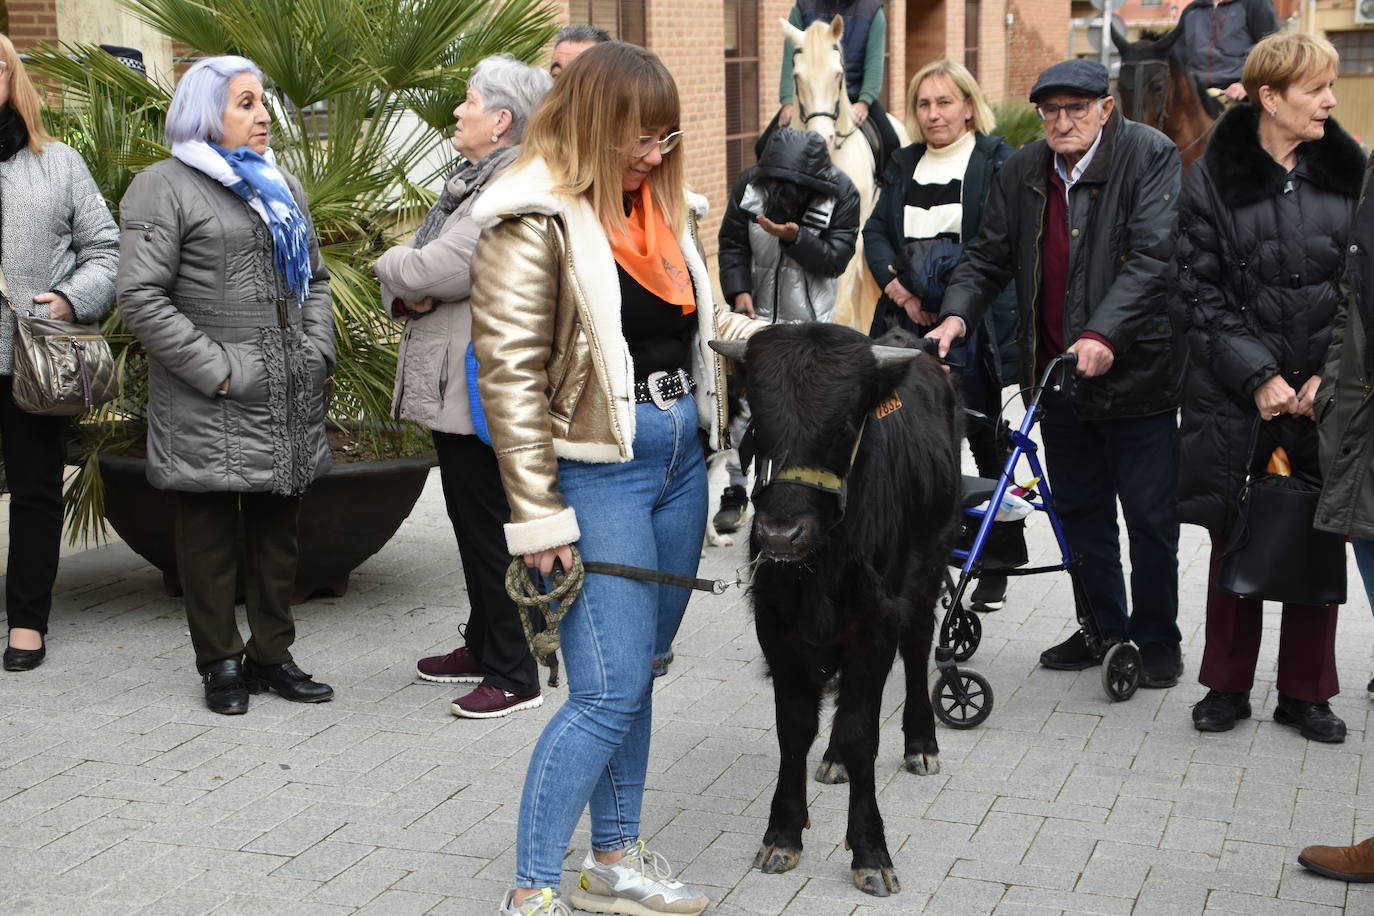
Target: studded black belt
x=663, y=388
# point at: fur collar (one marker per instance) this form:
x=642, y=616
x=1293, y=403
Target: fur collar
x=528, y=189
x=1245, y=174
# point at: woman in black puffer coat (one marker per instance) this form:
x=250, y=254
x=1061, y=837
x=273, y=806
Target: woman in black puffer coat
x=1263, y=227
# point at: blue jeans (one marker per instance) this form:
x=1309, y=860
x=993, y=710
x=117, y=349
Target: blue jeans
x=648, y=512
x=1364, y=559
x=1092, y=464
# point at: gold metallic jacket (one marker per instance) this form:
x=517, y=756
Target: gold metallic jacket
x=556, y=378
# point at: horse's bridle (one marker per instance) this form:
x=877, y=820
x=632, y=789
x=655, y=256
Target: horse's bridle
x=1140, y=74
x=807, y=117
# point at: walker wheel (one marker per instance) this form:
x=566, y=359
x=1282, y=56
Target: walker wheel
x=963, y=633
x=1121, y=671
x=967, y=707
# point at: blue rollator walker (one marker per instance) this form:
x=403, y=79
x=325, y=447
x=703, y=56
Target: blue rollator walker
x=962, y=697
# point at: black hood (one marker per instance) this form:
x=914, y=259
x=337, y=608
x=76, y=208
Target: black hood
x=801, y=157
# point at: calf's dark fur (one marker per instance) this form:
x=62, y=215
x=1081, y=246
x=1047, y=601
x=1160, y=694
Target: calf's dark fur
x=838, y=592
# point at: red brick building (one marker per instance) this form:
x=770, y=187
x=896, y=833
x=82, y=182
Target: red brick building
x=726, y=55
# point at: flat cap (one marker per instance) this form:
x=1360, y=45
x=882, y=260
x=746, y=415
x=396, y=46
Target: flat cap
x=1081, y=77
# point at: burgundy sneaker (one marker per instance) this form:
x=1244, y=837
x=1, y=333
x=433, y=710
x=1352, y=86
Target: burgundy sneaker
x=488, y=702
x=458, y=667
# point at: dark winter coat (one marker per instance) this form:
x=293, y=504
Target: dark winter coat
x=1121, y=214
x=197, y=287
x=1258, y=284
x=1344, y=411
x=792, y=281
x=1216, y=39
x=884, y=241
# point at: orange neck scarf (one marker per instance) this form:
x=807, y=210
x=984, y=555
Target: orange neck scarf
x=649, y=252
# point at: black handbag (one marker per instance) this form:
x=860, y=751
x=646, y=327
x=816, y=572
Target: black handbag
x=1272, y=551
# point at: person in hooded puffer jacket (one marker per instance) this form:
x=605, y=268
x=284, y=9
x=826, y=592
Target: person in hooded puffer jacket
x=1345, y=418
x=788, y=233
x=1263, y=225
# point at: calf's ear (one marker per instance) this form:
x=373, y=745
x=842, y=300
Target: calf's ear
x=730, y=349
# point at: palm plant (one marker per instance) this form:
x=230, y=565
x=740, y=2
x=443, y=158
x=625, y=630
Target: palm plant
x=365, y=91
x=1017, y=122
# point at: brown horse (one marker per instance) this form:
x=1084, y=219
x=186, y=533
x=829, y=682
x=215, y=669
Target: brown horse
x=1155, y=88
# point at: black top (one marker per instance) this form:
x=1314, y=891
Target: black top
x=659, y=335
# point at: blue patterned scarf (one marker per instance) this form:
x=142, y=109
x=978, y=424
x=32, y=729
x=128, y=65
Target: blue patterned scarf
x=290, y=230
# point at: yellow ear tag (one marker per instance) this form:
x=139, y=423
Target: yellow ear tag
x=888, y=407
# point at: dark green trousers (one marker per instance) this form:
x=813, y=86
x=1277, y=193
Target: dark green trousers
x=208, y=564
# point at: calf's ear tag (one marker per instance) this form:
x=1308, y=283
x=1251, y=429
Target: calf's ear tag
x=888, y=407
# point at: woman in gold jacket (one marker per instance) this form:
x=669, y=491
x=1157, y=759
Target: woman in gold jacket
x=592, y=310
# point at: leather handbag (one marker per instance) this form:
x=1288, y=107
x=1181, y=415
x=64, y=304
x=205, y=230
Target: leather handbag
x=1272, y=551
x=60, y=368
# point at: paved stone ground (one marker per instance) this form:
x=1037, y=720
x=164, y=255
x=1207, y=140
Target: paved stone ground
x=120, y=793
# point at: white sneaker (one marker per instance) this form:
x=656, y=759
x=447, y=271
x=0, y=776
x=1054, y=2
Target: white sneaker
x=640, y=884
x=545, y=903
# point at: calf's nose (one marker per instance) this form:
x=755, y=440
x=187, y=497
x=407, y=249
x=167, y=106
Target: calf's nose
x=779, y=535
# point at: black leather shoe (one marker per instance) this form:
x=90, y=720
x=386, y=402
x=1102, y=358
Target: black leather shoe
x=225, y=692
x=25, y=659
x=1161, y=664
x=1219, y=710
x=1314, y=721
x=1070, y=655
x=288, y=680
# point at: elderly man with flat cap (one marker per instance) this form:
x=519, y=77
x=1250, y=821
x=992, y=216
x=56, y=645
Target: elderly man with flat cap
x=1083, y=223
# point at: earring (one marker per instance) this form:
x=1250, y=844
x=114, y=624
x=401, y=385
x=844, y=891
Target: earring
x=1273, y=112
x=496, y=138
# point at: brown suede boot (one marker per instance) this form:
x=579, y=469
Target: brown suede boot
x=1344, y=863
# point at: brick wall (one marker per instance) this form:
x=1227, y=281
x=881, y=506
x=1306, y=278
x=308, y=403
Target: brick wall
x=32, y=22
x=1037, y=38
x=688, y=36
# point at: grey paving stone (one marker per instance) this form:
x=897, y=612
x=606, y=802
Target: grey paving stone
x=381, y=801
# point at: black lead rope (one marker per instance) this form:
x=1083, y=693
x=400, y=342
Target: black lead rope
x=543, y=641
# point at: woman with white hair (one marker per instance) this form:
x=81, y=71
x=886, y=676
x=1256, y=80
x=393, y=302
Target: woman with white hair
x=426, y=284
x=58, y=251
x=220, y=278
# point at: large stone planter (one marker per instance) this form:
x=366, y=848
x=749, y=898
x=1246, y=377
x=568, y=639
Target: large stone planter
x=346, y=516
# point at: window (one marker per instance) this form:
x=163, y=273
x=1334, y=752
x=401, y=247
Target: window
x=972, y=13
x=624, y=19
x=741, y=85
x=1356, y=50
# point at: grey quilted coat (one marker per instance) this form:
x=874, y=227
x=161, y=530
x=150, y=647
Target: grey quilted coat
x=197, y=287
x=57, y=235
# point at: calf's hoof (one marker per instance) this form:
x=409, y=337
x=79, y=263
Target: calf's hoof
x=774, y=860
x=879, y=882
x=832, y=773
x=922, y=764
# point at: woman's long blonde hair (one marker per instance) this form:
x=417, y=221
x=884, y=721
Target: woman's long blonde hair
x=23, y=96
x=584, y=129
x=962, y=80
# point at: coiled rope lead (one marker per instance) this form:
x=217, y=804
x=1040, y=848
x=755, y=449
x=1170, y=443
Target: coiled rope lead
x=526, y=595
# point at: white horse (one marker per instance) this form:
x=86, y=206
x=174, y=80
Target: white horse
x=821, y=103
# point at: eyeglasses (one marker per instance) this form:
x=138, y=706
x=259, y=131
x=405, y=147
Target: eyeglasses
x=643, y=146
x=1049, y=111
